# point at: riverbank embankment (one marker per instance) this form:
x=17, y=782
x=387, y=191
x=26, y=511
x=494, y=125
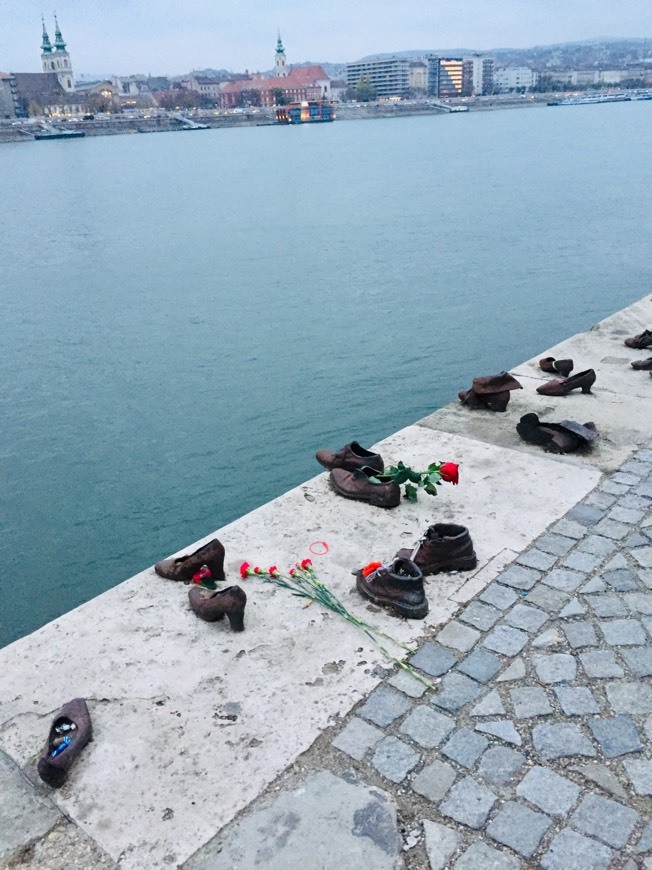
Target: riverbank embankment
x=193, y=722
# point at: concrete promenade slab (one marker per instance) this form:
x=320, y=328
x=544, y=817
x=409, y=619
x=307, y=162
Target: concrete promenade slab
x=192, y=722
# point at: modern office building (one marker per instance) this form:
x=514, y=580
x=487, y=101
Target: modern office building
x=515, y=78
x=445, y=76
x=390, y=76
x=478, y=75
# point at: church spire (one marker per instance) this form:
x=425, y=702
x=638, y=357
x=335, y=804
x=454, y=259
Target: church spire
x=59, y=44
x=279, y=45
x=46, y=46
x=280, y=64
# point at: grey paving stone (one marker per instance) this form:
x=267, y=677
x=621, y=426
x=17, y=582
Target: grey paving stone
x=580, y=634
x=479, y=856
x=634, y=698
x=25, y=815
x=433, y=659
x=458, y=636
x=569, y=528
x=616, y=735
x=625, y=479
x=525, y=617
x=644, y=489
x=519, y=577
x=587, y=515
x=634, y=502
x=579, y=561
x=469, y=803
x=499, y=764
x=576, y=700
x=499, y=596
x=645, y=843
x=427, y=727
x=506, y=640
x=614, y=488
x=537, y=559
x=616, y=562
x=464, y=747
x=530, y=701
x=441, y=843
x=516, y=671
x=456, y=691
x=563, y=579
x=503, y=729
x=595, y=584
x=571, y=851
x=383, y=706
x=597, y=546
x=639, y=469
x=622, y=580
x=640, y=773
x=600, y=817
x=555, y=668
x=479, y=615
x=625, y=515
x=600, y=499
x=643, y=556
x=606, y=605
x=602, y=776
x=561, y=741
x=519, y=827
x=644, y=455
x=434, y=781
x=547, y=790
x=357, y=737
x=636, y=540
x=550, y=599
x=394, y=759
x=407, y=684
x=481, y=665
x=490, y=705
x=573, y=608
x=612, y=529
x=623, y=632
x=551, y=637
x=557, y=545
x=601, y=664
x=639, y=660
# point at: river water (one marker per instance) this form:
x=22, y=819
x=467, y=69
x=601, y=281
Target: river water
x=187, y=317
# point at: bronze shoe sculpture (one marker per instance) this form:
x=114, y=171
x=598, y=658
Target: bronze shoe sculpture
x=398, y=585
x=210, y=556
x=640, y=341
x=351, y=456
x=643, y=365
x=582, y=380
x=213, y=606
x=554, y=366
x=366, y=484
x=491, y=392
x=70, y=731
x=444, y=547
x=565, y=437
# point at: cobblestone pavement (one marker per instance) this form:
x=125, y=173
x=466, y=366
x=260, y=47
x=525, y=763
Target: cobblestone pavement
x=536, y=748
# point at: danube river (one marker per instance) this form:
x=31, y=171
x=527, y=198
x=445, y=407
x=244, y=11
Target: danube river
x=187, y=317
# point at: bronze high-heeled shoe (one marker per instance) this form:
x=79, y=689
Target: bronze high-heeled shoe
x=582, y=380
x=554, y=366
x=184, y=567
x=212, y=606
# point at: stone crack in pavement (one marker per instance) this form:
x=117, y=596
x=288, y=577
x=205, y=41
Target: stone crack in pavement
x=536, y=749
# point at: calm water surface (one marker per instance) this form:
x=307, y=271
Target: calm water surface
x=187, y=317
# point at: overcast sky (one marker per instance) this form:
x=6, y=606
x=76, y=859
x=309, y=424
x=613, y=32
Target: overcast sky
x=170, y=37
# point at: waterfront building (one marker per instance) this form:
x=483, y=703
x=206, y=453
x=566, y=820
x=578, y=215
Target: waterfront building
x=10, y=105
x=57, y=60
x=301, y=83
x=418, y=79
x=514, y=78
x=390, y=76
x=209, y=87
x=478, y=75
x=445, y=76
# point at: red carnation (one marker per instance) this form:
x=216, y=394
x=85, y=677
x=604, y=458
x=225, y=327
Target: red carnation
x=370, y=568
x=306, y=564
x=450, y=472
x=244, y=570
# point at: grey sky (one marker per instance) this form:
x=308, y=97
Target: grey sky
x=171, y=37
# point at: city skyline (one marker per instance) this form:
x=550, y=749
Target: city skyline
x=129, y=36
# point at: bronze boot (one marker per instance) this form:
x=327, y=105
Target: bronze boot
x=398, y=585
x=444, y=547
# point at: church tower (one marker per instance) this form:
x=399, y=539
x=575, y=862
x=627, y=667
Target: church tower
x=57, y=60
x=280, y=64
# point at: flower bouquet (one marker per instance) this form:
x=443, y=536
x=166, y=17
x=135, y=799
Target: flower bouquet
x=429, y=479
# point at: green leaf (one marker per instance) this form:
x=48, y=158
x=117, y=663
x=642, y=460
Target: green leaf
x=410, y=492
x=400, y=465
x=401, y=476
x=430, y=488
x=373, y=479
x=391, y=470
x=413, y=476
x=434, y=466
x=434, y=477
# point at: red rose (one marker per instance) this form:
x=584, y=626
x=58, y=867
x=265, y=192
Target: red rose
x=450, y=472
x=244, y=570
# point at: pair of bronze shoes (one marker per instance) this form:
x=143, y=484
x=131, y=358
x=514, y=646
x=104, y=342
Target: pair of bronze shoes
x=491, y=392
x=565, y=437
x=204, y=569
x=357, y=473
x=562, y=387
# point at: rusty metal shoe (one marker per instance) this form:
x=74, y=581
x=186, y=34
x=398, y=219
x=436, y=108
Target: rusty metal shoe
x=565, y=437
x=70, y=731
x=398, y=584
x=349, y=457
x=366, y=484
x=554, y=366
x=488, y=401
x=444, y=547
x=210, y=556
x=640, y=341
x=643, y=365
x=213, y=606
x=582, y=380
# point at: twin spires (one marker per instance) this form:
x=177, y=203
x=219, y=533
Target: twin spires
x=46, y=45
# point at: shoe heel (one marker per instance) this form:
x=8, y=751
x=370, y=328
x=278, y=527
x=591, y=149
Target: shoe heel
x=586, y=389
x=237, y=620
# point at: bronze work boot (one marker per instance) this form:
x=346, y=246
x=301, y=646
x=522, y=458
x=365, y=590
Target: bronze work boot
x=640, y=341
x=212, y=606
x=351, y=456
x=490, y=391
x=209, y=556
x=361, y=484
x=582, y=380
x=444, y=547
x=398, y=585
x=564, y=437
x=642, y=365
